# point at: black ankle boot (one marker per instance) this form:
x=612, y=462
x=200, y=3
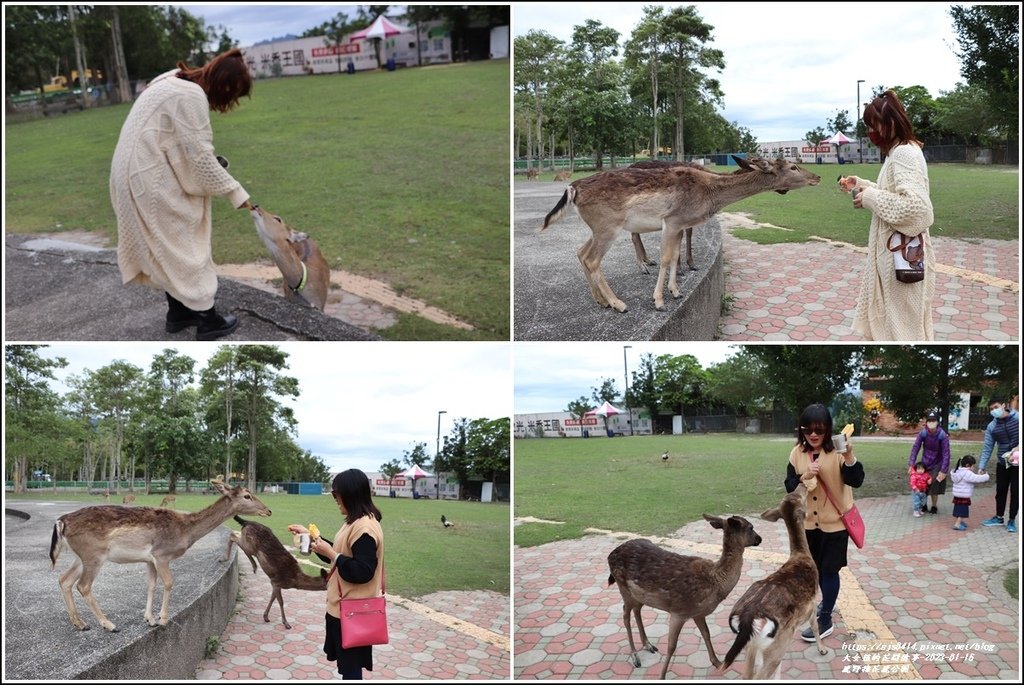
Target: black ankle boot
x=179, y=317
x=212, y=325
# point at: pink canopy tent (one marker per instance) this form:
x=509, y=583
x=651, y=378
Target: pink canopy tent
x=604, y=410
x=382, y=27
x=839, y=139
x=416, y=473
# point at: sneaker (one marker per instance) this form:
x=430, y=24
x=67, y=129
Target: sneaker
x=1011, y=527
x=935, y=510
x=825, y=629
x=960, y=526
x=917, y=513
x=994, y=521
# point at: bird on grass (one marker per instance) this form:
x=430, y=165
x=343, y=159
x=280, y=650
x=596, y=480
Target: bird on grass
x=664, y=456
x=446, y=522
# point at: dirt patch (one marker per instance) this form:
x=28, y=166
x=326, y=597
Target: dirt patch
x=79, y=237
x=743, y=220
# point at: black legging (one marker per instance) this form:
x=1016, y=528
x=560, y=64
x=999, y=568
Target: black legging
x=1007, y=478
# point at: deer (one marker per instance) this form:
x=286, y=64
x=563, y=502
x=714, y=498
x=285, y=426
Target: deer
x=563, y=175
x=768, y=614
x=128, y=499
x=532, y=174
x=672, y=199
x=258, y=542
x=307, y=275
x=168, y=501
x=684, y=586
x=130, y=535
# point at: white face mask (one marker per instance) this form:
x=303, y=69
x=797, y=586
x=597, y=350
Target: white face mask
x=997, y=413
x=932, y=425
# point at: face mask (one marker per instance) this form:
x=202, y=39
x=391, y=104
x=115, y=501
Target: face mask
x=932, y=425
x=875, y=138
x=997, y=413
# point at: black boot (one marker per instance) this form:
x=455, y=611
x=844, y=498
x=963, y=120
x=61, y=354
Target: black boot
x=179, y=317
x=212, y=325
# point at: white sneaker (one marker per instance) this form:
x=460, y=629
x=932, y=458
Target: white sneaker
x=917, y=513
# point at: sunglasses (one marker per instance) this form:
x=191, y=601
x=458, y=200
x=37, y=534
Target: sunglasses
x=812, y=431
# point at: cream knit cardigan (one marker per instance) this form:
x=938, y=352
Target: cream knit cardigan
x=886, y=308
x=162, y=180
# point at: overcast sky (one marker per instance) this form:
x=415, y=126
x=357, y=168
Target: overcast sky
x=361, y=404
x=548, y=376
x=251, y=24
x=789, y=66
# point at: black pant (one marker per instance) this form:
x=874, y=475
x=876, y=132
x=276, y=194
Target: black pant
x=1007, y=478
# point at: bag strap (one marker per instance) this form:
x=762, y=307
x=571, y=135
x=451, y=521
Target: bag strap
x=383, y=577
x=821, y=482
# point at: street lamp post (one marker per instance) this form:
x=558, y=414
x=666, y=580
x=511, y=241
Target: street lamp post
x=860, y=145
x=625, y=370
x=437, y=451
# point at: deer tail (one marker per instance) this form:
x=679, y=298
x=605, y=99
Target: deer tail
x=56, y=542
x=241, y=521
x=568, y=198
x=765, y=627
x=611, y=580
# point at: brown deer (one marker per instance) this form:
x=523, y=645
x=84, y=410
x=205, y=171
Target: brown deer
x=129, y=535
x=684, y=586
x=563, y=175
x=259, y=543
x=671, y=199
x=307, y=275
x=768, y=614
x=168, y=501
x=128, y=499
x=532, y=174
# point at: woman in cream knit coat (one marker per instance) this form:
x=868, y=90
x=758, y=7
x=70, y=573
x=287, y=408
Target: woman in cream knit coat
x=888, y=309
x=815, y=462
x=162, y=180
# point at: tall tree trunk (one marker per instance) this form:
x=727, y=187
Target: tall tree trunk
x=124, y=87
x=680, y=73
x=83, y=80
x=654, y=104
x=540, y=123
x=529, y=144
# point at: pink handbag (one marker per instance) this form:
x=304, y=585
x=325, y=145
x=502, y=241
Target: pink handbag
x=851, y=519
x=364, y=622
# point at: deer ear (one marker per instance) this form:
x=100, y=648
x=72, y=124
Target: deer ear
x=772, y=515
x=743, y=163
x=219, y=486
x=714, y=521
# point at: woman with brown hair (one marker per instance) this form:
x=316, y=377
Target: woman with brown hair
x=163, y=177
x=889, y=309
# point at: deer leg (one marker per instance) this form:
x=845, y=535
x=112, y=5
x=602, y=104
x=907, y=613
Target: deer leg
x=627, y=609
x=85, y=587
x=689, y=248
x=644, y=642
x=669, y=254
x=594, y=291
x=266, y=612
x=590, y=255
x=813, y=618
x=675, y=624
x=642, y=260
x=164, y=568
x=702, y=626
x=67, y=581
x=150, y=591
x=232, y=541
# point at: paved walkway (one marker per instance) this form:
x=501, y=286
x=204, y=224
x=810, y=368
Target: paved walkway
x=920, y=601
x=443, y=636
x=977, y=290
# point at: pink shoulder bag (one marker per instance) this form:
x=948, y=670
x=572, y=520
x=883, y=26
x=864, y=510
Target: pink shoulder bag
x=851, y=519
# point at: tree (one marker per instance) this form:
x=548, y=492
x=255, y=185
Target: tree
x=219, y=383
x=680, y=381
x=488, y=447
x=260, y=384
x=739, y=382
x=914, y=380
x=801, y=375
x=643, y=50
x=417, y=457
x=30, y=408
x=964, y=113
x=685, y=34
x=642, y=391
x=115, y=390
x=989, y=40
x=537, y=55
x=815, y=136
x=390, y=469
x=840, y=121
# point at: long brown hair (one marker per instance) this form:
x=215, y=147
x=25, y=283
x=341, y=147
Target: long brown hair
x=886, y=115
x=225, y=79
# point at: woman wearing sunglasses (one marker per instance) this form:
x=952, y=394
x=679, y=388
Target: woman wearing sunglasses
x=815, y=461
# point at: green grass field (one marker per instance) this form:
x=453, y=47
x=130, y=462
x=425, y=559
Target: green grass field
x=421, y=555
x=970, y=202
x=622, y=483
x=400, y=176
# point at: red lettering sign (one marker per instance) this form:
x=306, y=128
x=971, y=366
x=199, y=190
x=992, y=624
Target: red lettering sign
x=350, y=49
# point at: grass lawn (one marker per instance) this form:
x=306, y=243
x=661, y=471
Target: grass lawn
x=970, y=202
x=400, y=176
x=622, y=483
x=421, y=555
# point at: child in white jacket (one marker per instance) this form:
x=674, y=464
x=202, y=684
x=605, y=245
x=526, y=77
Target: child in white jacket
x=964, y=479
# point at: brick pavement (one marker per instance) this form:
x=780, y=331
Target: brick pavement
x=916, y=584
x=443, y=636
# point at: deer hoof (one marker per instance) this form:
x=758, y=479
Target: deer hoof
x=652, y=649
x=620, y=307
x=635, y=660
x=288, y=626
x=823, y=652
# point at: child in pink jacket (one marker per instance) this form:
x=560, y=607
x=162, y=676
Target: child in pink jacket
x=964, y=479
x=919, y=482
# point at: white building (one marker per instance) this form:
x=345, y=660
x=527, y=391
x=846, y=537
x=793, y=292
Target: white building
x=424, y=487
x=802, y=152
x=319, y=55
x=563, y=424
